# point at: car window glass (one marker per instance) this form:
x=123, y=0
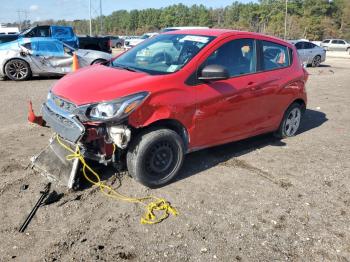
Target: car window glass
x=341, y=42
x=334, y=41
x=50, y=48
x=61, y=32
x=237, y=56
x=274, y=55
x=28, y=46
x=163, y=54
x=308, y=45
x=299, y=45
x=43, y=32
x=326, y=41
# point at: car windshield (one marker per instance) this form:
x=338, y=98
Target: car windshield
x=144, y=37
x=163, y=54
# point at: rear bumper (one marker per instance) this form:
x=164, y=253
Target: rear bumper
x=63, y=123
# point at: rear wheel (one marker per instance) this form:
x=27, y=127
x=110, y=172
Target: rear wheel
x=118, y=45
x=17, y=70
x=155, y=157
x=316, y=61
x=291, y=121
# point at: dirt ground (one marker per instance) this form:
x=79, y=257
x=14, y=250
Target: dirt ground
x=256, y=200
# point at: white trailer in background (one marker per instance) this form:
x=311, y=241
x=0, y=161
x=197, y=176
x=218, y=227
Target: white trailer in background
x=8, y=30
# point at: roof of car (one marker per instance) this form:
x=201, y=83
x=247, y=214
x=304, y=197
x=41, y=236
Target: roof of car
x=219, y=32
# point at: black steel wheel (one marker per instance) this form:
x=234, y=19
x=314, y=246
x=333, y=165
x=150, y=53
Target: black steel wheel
x=17, y=70
x=155, y=157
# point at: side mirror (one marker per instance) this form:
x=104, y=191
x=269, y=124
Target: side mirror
x=214, y=73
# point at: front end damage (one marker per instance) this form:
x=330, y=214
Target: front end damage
x=103, y=140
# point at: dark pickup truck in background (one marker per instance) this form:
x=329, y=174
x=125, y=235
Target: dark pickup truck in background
x=99, y=43
x=64, y=34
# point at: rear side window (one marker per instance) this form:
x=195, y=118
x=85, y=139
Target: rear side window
x=274, y=56
x=62, y=32
x=326, y=41
x=237, y=56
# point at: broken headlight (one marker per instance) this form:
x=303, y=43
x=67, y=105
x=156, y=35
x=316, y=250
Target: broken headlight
x=116, y=109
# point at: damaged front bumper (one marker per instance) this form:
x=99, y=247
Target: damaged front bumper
x=63, y=122
x=97, y=140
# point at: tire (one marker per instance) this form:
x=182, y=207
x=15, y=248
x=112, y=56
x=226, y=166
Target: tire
x=316, y=61
x=98, y=61
x=18, y=70
x=155, y=157
x=118, y=45
x=290, y=123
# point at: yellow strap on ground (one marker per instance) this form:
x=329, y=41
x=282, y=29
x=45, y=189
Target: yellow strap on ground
x=153, y=205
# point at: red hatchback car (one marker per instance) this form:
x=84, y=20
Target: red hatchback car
x=176, y=93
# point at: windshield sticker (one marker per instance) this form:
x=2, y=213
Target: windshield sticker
x=172, y=68
x=195, y=38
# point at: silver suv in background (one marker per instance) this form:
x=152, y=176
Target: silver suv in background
x=309, y=53
x=335, y=45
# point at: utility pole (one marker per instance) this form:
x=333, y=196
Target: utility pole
x=20, y=20
x=90, y=19
x=101, y=19
x=285, y=21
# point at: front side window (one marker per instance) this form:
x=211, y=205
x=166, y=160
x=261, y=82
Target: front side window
x=50, y=48
x=326, y=41
x=274, y=56
x=341, y=42
x=163, y=54
x=237, y=56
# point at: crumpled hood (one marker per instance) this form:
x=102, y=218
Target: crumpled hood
x=100, y=83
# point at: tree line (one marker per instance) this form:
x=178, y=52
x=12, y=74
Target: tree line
x=311, y=19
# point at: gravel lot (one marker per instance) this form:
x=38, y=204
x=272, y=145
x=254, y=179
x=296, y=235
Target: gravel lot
x=256, y=200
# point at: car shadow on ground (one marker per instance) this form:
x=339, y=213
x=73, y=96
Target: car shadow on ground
x=202, y=160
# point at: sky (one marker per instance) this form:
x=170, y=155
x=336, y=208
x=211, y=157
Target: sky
x=37, y=10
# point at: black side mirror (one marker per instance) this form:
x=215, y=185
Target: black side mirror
x=213, y=73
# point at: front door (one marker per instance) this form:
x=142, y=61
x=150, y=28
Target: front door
x=51, y=57
x=227, y=109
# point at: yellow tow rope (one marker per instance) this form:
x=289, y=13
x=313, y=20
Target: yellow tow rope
x=154, y=203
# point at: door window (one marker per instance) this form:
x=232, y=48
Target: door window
x=341, y=42
x=50, y=48
x=274, y=56
x=237, y=56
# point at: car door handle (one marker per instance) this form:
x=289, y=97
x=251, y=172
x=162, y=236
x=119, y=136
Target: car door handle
x=253, y=86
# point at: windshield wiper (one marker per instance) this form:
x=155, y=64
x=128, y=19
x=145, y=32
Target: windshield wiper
x=131, y=69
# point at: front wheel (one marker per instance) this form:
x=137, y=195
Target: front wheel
x=17, y=70
x=155, y=157
x=291, y=121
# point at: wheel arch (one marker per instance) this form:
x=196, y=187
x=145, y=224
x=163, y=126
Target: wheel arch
x=171, y=124
x=299, y=101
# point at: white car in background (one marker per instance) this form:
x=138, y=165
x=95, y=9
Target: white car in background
x=335, y=45
x=130, y=43
x=309, y=53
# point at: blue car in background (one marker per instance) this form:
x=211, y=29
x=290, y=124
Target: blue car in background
x=63, y=33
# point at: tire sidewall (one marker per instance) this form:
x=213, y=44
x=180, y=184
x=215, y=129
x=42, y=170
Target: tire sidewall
x=136, y=156
x=281, y=132
x=14, y=79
